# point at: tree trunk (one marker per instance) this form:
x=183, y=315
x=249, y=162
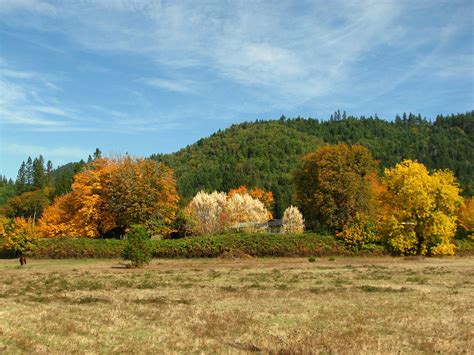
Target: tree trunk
x=22, y=259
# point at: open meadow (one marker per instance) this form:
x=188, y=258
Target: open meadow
x=238, y=305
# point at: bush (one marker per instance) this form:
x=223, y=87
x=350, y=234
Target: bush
x=257, y=245
x=311, y=259
x=360, y=232
x=293, y=221
x=68, y=247
x=138, y=249
x=464, y=247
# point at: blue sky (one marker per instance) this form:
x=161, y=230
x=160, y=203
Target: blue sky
x=154, y=76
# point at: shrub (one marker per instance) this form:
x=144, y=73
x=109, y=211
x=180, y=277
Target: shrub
x=138, y=248
x=311, y=259
x=293, y=221
x=359, y=232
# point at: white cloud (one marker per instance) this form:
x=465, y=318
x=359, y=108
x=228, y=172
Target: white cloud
x=295, y=57
x=170, y=85
x=281, y=54
x=35, y=6
x=54, y=152
x=51, y=110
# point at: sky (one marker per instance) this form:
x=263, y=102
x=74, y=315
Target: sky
x=144, y=77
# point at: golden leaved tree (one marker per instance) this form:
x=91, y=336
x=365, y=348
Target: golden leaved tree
x=20, y=235
x=333, y=185
x=420, y=209
x=142, y=191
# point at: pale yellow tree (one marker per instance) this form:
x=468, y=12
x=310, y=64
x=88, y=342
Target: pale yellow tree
x=206, y=213
x=244, y=209
x=293, y=221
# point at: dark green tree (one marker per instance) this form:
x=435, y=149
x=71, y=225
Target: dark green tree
x=39, y=173
x=21, y=182
x=29, y=173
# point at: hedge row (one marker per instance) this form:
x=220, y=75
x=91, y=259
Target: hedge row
x=230, y=245
x=198, y=247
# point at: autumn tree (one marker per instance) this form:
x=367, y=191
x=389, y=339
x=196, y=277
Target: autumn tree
x=420, y=213
x=207, y=213
x=293, y=221
x=65, y=217
x=243, y=208
x=20, y=236
x=465, y=216
x=333, y=184
x=114, y=194
x=142, y=191
x=266, y=197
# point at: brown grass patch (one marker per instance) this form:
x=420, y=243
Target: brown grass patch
x=271, y=305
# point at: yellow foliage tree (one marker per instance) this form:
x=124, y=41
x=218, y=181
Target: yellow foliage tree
x=419, y=212
x=20, y=236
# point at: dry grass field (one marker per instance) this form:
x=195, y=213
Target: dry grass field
x=280, y=305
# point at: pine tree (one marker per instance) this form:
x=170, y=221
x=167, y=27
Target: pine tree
x=38, y=173
x=21, y=180
x=97, y=154
x=49, y=167
x=29, y=173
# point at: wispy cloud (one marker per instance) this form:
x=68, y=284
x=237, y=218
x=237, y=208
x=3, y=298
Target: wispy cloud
x=56, y=152
x=20, y=101
x=34, y=6
x=181, y=86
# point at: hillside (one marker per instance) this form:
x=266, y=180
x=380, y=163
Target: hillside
x=265, y=153
x=262, y=154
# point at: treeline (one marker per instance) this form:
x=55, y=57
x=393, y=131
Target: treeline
x=265, y=153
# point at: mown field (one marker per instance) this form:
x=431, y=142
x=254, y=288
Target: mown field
x=342, y=304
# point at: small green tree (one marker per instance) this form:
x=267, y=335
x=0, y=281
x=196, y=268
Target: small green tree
x=138, y=249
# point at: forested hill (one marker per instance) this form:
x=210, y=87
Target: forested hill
x=262, y=154
x=265, y=153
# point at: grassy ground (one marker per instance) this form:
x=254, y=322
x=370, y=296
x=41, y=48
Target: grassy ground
x=217, y=305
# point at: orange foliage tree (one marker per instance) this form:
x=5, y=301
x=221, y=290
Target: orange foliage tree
x=266, y=197
x=465, y=216
x=114, y=194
